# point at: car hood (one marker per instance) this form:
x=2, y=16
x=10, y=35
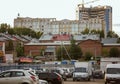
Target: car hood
x=40, y=80
x=79, y=73
x=113, y=75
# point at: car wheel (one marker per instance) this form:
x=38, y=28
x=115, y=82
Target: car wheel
x=25, y=83
x=88, y=79
x=73, y=79
x=65, y=79
x=49, y=82
x=105, y=82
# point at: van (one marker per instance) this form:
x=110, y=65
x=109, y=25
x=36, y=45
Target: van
x=83, y=71
x=112, y=73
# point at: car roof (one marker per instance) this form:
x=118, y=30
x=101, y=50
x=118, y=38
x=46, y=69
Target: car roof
x=15, y=70
x=113, y=66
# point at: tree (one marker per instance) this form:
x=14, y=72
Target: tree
x=10, y=46
x=118, y=41
x=86, y=31
x=112, y=34
x=75, y=50
x=93, y=31
x=105, y=52
x=11, y=31
x=58, y=54
x=114, y=52
x=88, y=56
x=102, y=35
x=42, y=52
x=62, y=54
x=38, y=34
x=27, y=31
x=19, y=50
x=4, y=27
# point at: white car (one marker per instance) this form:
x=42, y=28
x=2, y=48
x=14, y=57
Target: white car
x=30, y=69
x=43, y=82
x=18, y=76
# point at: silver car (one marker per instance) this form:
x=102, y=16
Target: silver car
x=18, y=76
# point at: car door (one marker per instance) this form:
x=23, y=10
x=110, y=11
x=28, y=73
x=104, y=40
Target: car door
x=5, y=78
x=17, y=77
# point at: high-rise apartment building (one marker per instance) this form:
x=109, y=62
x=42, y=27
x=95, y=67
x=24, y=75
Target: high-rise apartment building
x=101, y=12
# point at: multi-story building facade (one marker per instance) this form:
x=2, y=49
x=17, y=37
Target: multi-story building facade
x=37, y=24
x=75, y=26
x=51, y=25
x=102, y=12
x=97, y=18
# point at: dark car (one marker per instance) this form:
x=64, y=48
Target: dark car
x=51, y=77
x=98, y=74
x=63, y=75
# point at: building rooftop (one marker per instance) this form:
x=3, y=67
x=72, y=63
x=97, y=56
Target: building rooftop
x=66, y=37
x=46, y=37
x=86, y=37
x=109, y=40
x=62, y=37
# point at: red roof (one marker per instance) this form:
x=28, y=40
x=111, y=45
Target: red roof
x=63, y=37
x=23, y=59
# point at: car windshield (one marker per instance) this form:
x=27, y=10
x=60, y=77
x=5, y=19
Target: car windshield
x=65, y=70
x=31, y=73
x=113, y=70
x=80, y=69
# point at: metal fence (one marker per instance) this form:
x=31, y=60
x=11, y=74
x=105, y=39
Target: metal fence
x=33, y=66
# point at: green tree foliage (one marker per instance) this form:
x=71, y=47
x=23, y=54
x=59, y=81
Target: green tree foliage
x=62, y=54
x=88, y=56
x=4, y=27
x=93, y=31
x=11, y=31
x=112, y=34
x=118, y=41
x=100, y=32
x=58, y=54
x=86, y=31
x=38, y=35
x=27, y=31
x=22, y=31
x=114, y=52
x=42, y=52
x=75, y=50
x=102, y=35
x=105, y=53
x=19, y=50
x=9, y=46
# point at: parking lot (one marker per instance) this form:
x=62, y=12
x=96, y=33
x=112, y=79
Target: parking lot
x=95, y=81
x=50, y=67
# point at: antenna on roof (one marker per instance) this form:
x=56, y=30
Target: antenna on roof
x=82, y=3
x=18, y=14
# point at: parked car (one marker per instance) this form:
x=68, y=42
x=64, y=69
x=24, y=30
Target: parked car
x=63, y=74
x=30, y=69
x=52, y=78
x=18, y=76
x=42, y=81
x=98, y=74
x=112, y=74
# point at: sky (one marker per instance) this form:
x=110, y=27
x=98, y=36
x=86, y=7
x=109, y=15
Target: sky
x=59, y=9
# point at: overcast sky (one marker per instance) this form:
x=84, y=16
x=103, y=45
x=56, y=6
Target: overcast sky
x=59, y=9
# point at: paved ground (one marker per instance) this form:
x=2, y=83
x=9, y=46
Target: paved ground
x=96, y=81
